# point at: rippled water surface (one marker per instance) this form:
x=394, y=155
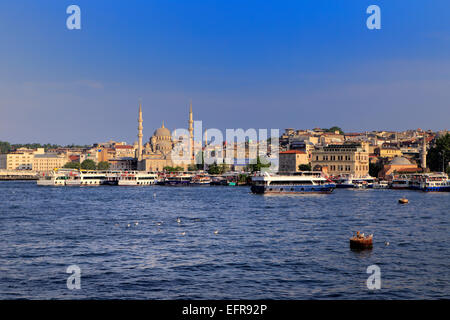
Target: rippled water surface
x=265, y=247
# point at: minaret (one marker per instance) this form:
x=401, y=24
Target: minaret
x=191, y=130
x=423, y=153
x=139, y=155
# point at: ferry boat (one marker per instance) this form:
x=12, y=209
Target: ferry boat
x=136, y=178
x=298, y=182
x=363, y=182
x=86, y=178
x=435, y=182
x=381, y=185
x=344, y=181
x=53, y=178
x=201, y=180
x=177, y=180
x=400, y=183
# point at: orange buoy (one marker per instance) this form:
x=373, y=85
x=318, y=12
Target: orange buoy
x=361, y=242
x=403, y=200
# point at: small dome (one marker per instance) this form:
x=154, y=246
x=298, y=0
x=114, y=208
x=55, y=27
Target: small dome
x=400, y=161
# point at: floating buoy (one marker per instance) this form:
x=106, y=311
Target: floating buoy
x=361, y=242
x=403, y=200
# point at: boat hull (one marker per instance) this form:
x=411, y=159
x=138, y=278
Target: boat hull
x=293, y=189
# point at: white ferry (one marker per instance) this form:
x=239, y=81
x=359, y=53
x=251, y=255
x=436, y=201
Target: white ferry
x=200, y=180
x=400, y=183
x=179, y=179
x=381, y=185
x=53, y=178
x=86, y=178
x=435, y=182
x=298, y=182
x=136, y=178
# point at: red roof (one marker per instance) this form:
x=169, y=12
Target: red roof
x=74, y=158
x=293, y=151
x=123, y=147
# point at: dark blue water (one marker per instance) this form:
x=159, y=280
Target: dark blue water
x=267, y=247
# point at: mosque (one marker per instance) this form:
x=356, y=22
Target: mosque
x=157, y=153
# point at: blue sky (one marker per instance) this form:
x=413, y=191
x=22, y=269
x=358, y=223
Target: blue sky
x=244, y=64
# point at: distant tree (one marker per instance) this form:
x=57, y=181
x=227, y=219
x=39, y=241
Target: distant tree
x=333, y=129
x=192, y=167
x=214, y=168
x=88, y=164
x=438, y=156
x=255, y=167
x=72, y=165
x=173, y=169
x=304, y=167
x=375, y=168
x=103, y=165
x=5, y=147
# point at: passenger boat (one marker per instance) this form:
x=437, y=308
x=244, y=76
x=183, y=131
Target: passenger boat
x=435, y=182
x=136, y=178
x=298, y=182
x=86, y=178
x=200, y=180
x=363, y=182
x=381, y=185
x=177, y=180
x=53, y=178
x=400, y=183
x=344, y=181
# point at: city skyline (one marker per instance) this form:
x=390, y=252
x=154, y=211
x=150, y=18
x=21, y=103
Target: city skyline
x=252, y=65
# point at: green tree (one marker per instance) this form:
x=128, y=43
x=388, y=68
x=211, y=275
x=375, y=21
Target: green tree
x=439, y=155
x=173, y=169
x=333, y=129
x=88, y=164
x=5, y=147
x=304, y=167
x=255, y=167
x=214, y=169
x=103, y=165
x=72, y=165
x=375, y=168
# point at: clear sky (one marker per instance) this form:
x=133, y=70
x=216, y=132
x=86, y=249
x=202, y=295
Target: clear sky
x=244, y=64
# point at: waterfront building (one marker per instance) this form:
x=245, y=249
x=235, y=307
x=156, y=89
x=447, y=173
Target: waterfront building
x=124, y=151
x=124, y=164
x=157, y=152
x=47, y=162
x=20, y=159
x=348, y=158
x=398, y=165
x=290, y=160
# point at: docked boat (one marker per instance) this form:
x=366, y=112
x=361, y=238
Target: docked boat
x=177, y=180
x=200, y=180
x=53, y=178
x=136, y=178
x=344, y=181
x=435, y=182
x=400, y=183
x=381, y=185
x=298, y=182
x=86, y=178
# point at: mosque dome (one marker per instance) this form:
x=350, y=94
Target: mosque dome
x=400, y=161
x=162, y=132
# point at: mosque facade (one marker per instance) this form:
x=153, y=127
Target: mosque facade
x=158, y=152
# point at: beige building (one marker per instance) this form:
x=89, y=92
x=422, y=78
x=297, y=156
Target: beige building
x=389, y=152
x=290, y=160
x=157, y=153
x=21, y=159
x=350, y=158
x=48, y=162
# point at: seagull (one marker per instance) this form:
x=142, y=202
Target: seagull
x=158, y=223
x=129, y=225
x=183, y=233
x=216, y=232
x=178, y=220
x=386, y=243
x=136, y=223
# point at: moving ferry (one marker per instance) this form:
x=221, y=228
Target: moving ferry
x=86, y=178
x=298, y=182
x=53, y=178
x=435, y=182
